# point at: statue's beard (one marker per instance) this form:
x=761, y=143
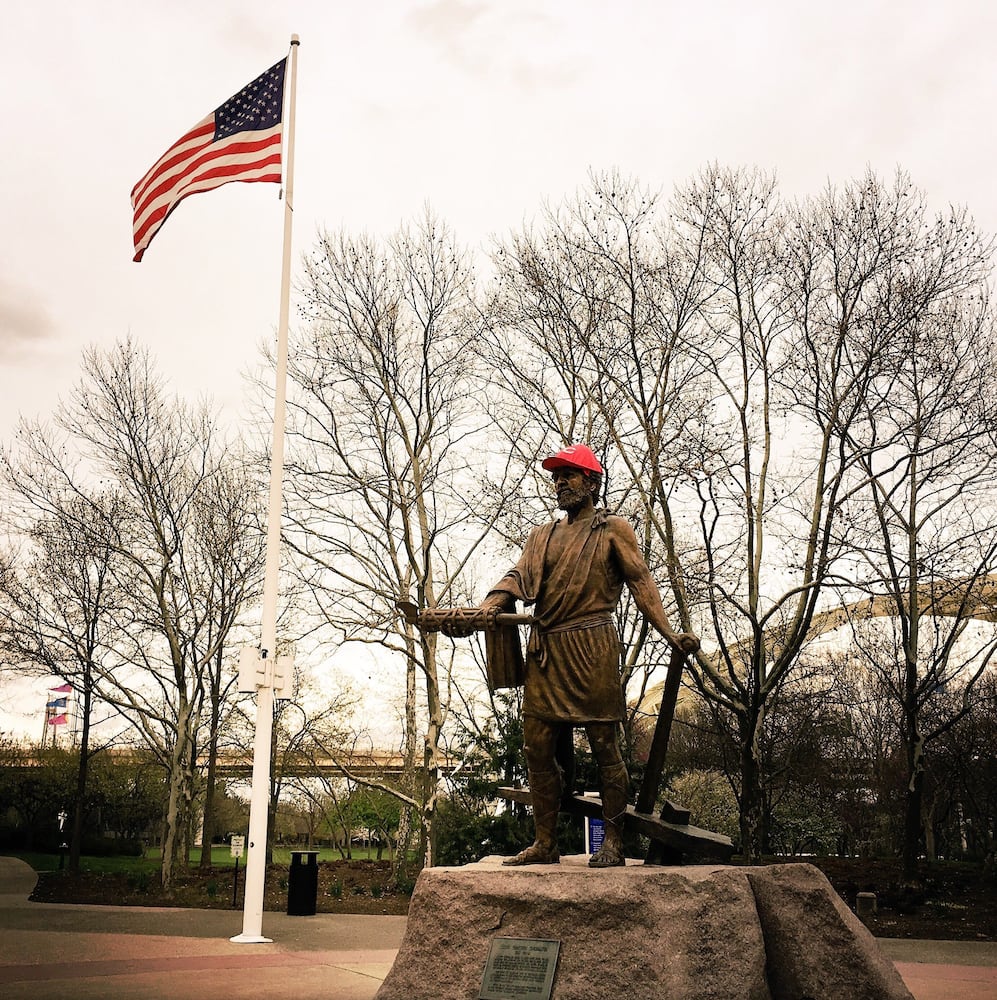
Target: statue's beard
x=569, y=499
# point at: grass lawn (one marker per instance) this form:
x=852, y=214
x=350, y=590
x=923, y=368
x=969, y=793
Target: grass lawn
x=221, y=857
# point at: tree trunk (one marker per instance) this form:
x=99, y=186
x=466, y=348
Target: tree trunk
x=187, y=824
x=430, y=763
x=912, y=806
x=752, y=801
x=427, y=839
x=399, y=873
x=208, y=828
x=171, y=832
x=928, y=824
x=79, y=802
x=173, y=838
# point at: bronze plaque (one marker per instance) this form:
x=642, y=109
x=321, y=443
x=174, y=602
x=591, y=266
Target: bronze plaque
x=519, y=969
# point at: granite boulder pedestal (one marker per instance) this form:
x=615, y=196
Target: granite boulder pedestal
x=701, y=932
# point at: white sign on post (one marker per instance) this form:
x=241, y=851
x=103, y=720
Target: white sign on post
x=238, y=846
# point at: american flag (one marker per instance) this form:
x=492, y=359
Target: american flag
x=239, y=141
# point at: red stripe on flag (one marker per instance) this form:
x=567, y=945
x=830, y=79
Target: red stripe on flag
x=169, y=179
x=197, y=138
x=221, y=174
x=233, y=159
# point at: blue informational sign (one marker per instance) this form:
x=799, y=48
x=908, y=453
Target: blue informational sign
x=595, y=831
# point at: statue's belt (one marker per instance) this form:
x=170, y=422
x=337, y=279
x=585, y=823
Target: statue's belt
x=537, y=647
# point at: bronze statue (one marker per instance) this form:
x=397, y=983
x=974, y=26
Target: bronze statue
x=572, y=571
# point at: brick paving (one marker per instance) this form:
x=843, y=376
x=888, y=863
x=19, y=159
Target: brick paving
x=50, y=950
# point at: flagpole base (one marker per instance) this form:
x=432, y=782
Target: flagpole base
x=250, y=939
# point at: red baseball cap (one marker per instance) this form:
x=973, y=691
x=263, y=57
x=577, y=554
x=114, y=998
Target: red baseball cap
x=575, y=456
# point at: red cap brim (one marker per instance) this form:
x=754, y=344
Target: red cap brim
x=552, y=463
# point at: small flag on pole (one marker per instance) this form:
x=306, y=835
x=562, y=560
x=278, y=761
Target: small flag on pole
x=57, y=720
x=238, y=141
x=57, y=703
x=63, y=688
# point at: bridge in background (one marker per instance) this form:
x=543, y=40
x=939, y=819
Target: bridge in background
x=239, y=764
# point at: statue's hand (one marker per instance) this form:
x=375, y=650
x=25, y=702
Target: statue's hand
x=457, y=628
x=684, y=641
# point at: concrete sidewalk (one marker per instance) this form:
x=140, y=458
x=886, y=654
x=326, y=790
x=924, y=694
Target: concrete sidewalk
x=50, y=950
x=147, y=953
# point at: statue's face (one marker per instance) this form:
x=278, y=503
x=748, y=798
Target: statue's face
x=573, y=488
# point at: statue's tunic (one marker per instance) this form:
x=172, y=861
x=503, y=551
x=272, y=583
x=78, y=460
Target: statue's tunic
x=573, y=656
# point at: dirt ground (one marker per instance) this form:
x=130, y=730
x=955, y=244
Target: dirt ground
x=953, y=902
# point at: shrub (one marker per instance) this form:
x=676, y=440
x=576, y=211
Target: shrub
x=464, y=836
x=140, y=881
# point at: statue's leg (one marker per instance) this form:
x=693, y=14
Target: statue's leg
x=564, y=754
x=540, y=742
x=615, y=790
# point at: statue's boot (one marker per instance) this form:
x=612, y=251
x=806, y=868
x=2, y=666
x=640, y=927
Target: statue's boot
x=545, y=791
x=615, y=784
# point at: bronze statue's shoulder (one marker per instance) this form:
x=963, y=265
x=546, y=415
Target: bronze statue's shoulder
x=613, y=520
x=616, y=525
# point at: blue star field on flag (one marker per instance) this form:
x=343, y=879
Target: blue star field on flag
x=257, y=106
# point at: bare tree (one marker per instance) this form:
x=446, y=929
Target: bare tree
x=965, y=764
x=384, y=458
x=231, y=555
x=666, y=331
x=923, y=529
x=765, y=516
x=60, y=606
x=586, y=331
x=718, y=357
x=809, y=306
x=166, y=465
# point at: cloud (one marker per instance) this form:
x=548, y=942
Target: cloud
x=24, y=320
x=447, y=22
x=481, y=38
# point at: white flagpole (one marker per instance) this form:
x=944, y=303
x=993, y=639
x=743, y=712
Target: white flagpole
x=256, y=859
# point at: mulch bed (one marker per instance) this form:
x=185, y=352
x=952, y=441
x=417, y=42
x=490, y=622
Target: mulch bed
x=950, y=901
x=343, y=887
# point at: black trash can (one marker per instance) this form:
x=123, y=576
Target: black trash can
x=302, y=884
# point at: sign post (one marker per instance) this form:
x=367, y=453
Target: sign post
x=238, y=846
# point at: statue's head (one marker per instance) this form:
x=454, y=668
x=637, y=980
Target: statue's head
x=586, y=481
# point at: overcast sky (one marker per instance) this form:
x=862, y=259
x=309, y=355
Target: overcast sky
x=480, y=108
